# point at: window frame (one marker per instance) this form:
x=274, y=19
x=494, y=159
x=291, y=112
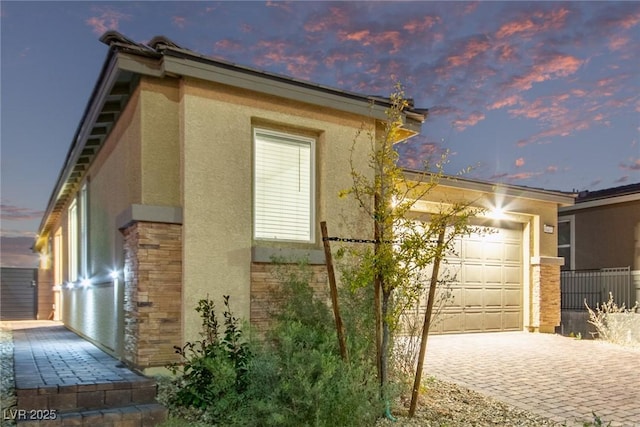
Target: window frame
x=72, y=240
x=289, y=138
x=83, y=233
x=58, y=264
x=571, y=245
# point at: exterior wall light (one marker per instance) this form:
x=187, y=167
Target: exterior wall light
x=114, y=274
x=85, y=282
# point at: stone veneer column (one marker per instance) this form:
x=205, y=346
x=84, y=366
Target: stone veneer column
x=152, y=293
x=265, y=285
x=545, y=294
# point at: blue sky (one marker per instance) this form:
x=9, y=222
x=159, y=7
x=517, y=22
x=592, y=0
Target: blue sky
x=540, y=94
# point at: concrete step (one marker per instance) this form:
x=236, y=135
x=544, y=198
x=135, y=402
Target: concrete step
x=87, y=397
x=143, y=415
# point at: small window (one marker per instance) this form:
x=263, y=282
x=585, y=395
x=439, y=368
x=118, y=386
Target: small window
x=84, y=237
x=284, y=187
x=72, y=237
x=565, y=243
x=57, y=257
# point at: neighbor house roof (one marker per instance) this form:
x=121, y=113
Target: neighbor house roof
x=608, y=196
x=127, y=61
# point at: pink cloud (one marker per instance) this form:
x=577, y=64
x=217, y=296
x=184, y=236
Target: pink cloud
x=421, y=25
x=551, y=169
x=471, y=120
x=16, y=213
x=229, y=45
x=520, y=162
x=552, y=67
x=107, y=19
x=507, y=53
x=179, y=21
x=337, y=17
x=472, y=48
x=527, y=27
x=505, y=102
x=298, y=65
x=618, y=42
x=378, y=40
x=633, y=165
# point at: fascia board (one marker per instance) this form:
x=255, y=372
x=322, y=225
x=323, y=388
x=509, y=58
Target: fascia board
x=270, y=87
x=171, y=65
x=601, y=202
x=504, y=189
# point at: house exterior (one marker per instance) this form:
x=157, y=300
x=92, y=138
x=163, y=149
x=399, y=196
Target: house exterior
x=602, y=231
x=188, y=174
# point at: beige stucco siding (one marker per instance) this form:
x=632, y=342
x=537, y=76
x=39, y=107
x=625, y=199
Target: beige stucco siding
x=217, y=145
x=113, y=183
x=608, y=236
x=160, y=134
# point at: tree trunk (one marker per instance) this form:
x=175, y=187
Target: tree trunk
x=427, y=322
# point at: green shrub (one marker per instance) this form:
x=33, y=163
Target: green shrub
x=293, y=377
x=214, y=370
x=300, y=378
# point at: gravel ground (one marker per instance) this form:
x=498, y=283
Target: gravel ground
x=446, y=404
x=7, y=385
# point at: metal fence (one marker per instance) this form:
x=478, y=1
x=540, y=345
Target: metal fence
x=594, y=287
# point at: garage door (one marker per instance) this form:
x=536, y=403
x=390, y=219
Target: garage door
x=486, y=292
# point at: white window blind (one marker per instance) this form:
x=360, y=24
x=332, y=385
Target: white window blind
x=283, y=186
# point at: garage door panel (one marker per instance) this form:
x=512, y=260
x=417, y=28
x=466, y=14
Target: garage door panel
x=452, y=323
x=473, y=297
x=487, y=290
x=492, y=298
x=512, y=298
x=472, y=274
x=473, y=321
x=512, y=252
x=456, y=300
x=493, y=274
x=512, y=321
x=492, y=251
x=492, y=321
x=512, y=275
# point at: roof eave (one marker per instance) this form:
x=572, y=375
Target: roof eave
x=557, y=197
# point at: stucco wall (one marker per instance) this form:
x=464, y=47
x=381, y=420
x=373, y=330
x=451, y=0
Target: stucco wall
x=216, y=149
x=608, y=236
x=113, y=183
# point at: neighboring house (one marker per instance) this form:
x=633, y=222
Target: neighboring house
x=602, y=231
x=188, y=174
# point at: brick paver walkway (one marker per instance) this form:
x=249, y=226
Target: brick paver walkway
x=47, y=354
x=557, y=377
x=63, y=380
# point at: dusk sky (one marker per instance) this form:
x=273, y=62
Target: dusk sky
x=539, y=94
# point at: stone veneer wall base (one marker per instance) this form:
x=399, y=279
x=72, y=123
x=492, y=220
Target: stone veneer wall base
x=152, y=294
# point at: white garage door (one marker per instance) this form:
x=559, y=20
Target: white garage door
x=486, y=294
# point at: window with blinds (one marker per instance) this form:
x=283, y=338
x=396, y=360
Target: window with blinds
x=283, y=187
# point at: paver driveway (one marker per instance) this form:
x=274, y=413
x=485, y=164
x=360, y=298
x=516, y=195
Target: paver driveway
x=557, y=377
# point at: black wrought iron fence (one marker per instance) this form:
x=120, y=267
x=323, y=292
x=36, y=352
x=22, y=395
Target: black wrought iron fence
x=594, y=287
